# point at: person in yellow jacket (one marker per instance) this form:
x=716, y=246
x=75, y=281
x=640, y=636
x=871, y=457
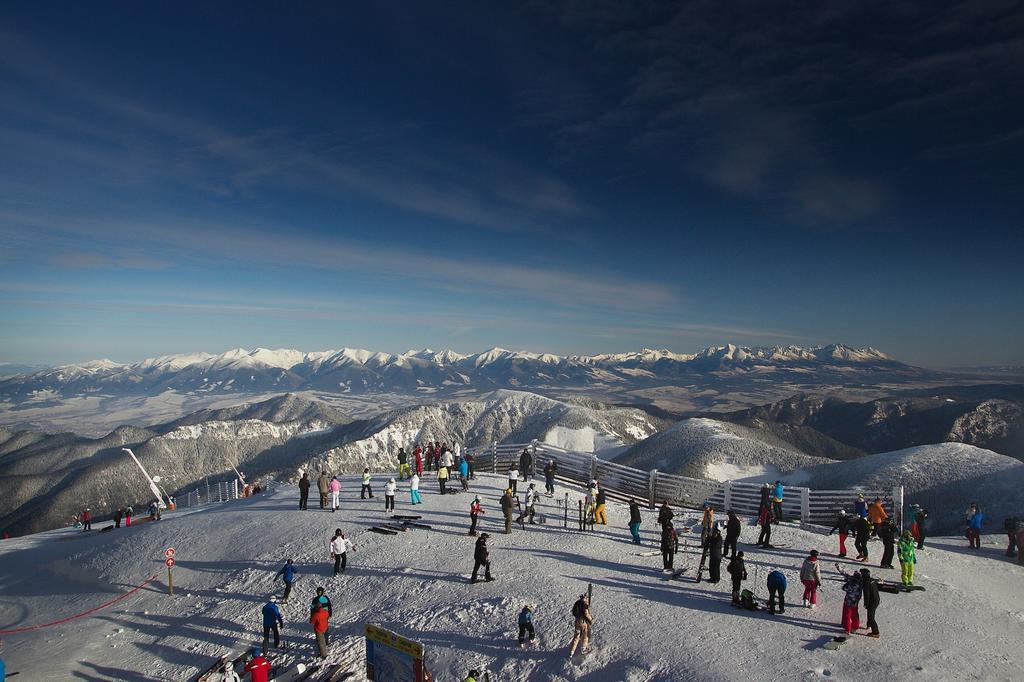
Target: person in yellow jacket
x=472, y=676
x=908, y=557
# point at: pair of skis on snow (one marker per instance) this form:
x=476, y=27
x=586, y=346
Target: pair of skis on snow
x=406, y=521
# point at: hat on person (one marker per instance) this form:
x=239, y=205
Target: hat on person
x=814, y=552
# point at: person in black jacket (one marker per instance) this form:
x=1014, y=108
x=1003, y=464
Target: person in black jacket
x=303, y=490
x=732, y=533
x=665, y=514
x=871, y=600
x=668, y=541
x=526, y=464
x=481, y=558
x=738, y=570
x=549, y=478
x=765, y=503
x=634, y=521
x=887, y=534
x=714, y=547
x=843, y=526
x=862, y=531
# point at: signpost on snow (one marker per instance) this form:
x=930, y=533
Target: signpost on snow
x=169, y=554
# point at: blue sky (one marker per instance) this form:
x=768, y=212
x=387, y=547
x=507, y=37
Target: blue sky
x=558, y=176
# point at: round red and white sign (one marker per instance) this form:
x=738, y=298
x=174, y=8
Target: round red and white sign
x=169, y=562
x=169, y=552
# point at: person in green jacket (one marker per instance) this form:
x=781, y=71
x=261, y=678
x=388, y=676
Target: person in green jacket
x=908, y=557
x=472, y=676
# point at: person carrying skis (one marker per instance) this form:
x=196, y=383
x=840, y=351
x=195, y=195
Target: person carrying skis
x=582, y=620
x=418, y=458
x=861, y=507
x=810, y=576
x=258, y=667
x=853, y=586
x=318, y=619
x=272, y=622
x=526, y=464
x=414, y=489
x=528, y=507
x=886, y=532
x=481, y=559
x=303, y=491
x=737, y=568
x=390, y=488
x=862, y=531
x=869, y=588
x=366, y=489
x=513, y=478
x=550, y=469
x=714, y=549
x=403, y=464
x=778, y=492
x=908, y=557
x=287, y=572
x=335, y=493
x=324, y=486
x=707, y=522
x=599, y=502
x=339, y=550
x=464, y=473
x=475, y=510
x=87, y=519
x=777, y=588
x=668, y=544
x=506, y=510
x=974, y=521
x=525, y=622
x=843, y=526
x=732, y=533
x=634, y=521
x=765, y=519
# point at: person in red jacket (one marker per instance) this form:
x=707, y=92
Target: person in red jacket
x=319, y=621
x=418, y=456
x=258, y=667
x=87, y=519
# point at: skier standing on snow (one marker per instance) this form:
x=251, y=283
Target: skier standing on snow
x=974, y=521
x=87, y=519
x=765, y=519
x=471, y=461
x=513, y=478
x=777, y=496
x=634, y=521
x=287, y=572
x=1010, y=527
x=464, y=473
x=258, y=668
x=876, y=514
x=707, y=522
x=414, y=489
x=118, y=515
x=335, y=493
x=714, y=549
x=528, y=508
x=403, y=464
x=303, y=491
x=475, y=510
x=886, y=532
x=737, y=569
x=765, y=503
x=549, y=477
x=908, y=557
x=600, y=501
x=272, y=622
x=442, y=479
x=582, y=620
x=862, y=531
x=861, y=507
x=418, y=457
x=853, y=586
x=390, y=488
x=339, y=549
x=869, y=588
x=128, y=511
x=319, y=621
x=921, y=523
x=668, y=544
x=732, y=533
x=777, y=588
x=843, y=526
x=526, y=464
x=366, y=489
x=321, y=600
x=810, y=576
x=506, y=509
x=525, y=622
x=481, y=559
x=324, y=486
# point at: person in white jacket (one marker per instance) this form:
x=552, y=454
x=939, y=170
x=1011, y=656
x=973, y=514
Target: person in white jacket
x=390, y=488
x=531, y=498
x=339, y=547
x=414, y=489
x=513, y=478
x=447, y=459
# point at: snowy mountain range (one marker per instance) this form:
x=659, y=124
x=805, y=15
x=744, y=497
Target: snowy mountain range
x=360, y=371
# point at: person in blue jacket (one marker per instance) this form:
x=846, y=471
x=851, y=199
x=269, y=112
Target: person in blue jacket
x=974, y=520
x=272, y=622
x=464, y=473
x=777, y=496
x=776, y=587
x=525, y=625
x=861, y=506
x=288, y=573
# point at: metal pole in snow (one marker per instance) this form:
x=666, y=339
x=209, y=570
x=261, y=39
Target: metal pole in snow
x=152, y=484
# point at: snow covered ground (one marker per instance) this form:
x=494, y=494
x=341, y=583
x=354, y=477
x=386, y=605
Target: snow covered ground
x=967, y=625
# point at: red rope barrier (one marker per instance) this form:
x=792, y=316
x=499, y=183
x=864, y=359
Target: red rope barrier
x=84, y=613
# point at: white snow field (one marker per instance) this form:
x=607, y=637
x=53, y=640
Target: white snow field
x=967, y=625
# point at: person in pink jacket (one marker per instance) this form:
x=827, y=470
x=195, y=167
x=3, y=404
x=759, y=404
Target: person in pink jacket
x=335, y=493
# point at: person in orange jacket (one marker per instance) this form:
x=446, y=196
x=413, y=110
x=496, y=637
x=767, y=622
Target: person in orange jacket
x=319, y=622
x=258, y=667
x=876, y=514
